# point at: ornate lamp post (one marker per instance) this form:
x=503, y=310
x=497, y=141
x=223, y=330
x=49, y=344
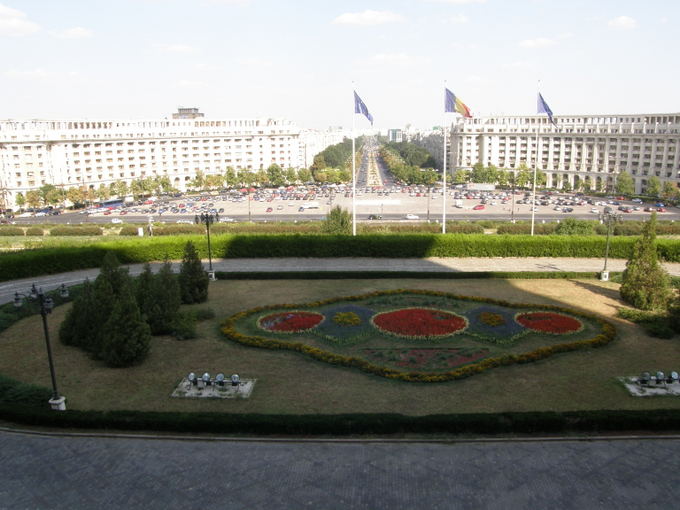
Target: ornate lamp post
x=46, y=304
x=208, y=219
x=610, y=217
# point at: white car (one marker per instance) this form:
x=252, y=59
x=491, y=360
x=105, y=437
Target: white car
x=412, y=216
x=595, y=210
x=116, y=220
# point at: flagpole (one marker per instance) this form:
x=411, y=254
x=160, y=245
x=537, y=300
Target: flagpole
x=354, y=177
x=444, y=170
x=533, y=200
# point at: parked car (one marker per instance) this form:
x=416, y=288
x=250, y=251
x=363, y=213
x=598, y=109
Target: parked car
x=478, y=207
x=412, y=216
x=269, y=209
x=374, y=217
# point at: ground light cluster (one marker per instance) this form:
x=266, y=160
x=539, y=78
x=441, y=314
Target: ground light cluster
x=416, y=335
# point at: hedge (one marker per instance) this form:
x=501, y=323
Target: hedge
x=23, y=264
x=11, y=231
x=79, y=230
x=35, y=231
x=601, y=421
x=439, y=275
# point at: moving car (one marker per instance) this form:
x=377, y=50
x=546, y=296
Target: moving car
x=374, y=217
x=478, y=207
x=412, y=216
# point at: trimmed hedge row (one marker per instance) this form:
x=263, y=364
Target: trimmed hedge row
x=28, y=263
x=602, y=421
x=439, y=275
x=11, y=231
x=76, y=230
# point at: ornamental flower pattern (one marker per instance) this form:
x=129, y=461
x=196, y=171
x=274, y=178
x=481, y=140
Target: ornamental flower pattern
x=418, y=335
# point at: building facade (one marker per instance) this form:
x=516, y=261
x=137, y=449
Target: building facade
x=576, y=149
x=87, y=153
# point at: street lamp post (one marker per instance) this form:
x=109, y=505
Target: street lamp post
x=208, y=219
x=607, y=216
x=46, y=304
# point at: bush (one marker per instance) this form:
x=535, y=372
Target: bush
x=171, y=230
x=204, y=314
x=15, y=392
x=80, y=230
x=35, y=231
x=571, y=226
x=128, y=230
x=339, y=221
x=11, y=231
x=525, y=228
x=184, y=326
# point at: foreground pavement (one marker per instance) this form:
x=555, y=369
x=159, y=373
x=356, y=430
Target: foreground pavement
x=51, y=472
x=275, y=265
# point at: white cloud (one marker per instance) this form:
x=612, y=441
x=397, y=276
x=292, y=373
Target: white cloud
x=622, y=23
x=458, y=19
x=229, y=2
x=367, y=18
x=13, y=23
x=663, y=20
x=175, y=48
x=32, y=74
x=73, y=33
x=188, y=84
x=517, y=64
x=400, y=58
x=539, y=42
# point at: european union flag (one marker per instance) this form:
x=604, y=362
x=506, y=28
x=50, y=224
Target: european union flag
x=360, y=107
x=543, y=107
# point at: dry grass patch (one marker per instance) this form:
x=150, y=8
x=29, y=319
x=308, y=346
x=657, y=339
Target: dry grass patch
x=293, y=383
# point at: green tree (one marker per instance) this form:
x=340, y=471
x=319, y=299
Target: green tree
x=653, y=186
x=198, y=182
x=571, y=226
x=304, y=175
x=78, y=329
x=193, y=280
x=525, y=177
x=275, y=175
x=33, y=198
x=566, y=185
x=20, y=199
x=291, y=176
x=76, y=196
x=119, y=188
x=646, y=285
x=261, y=177
x=214, y=181
x=669, y=191
x=461, y=177
x=230, y=177
x=103, y=192
x=159, y=298
x=127, y=337
x=624, y=184
x=339, y=221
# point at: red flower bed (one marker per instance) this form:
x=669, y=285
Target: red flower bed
x=549, y=322
x=419, y=322
x=290, y=322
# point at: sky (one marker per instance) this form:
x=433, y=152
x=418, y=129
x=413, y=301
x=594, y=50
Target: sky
x=301, y=59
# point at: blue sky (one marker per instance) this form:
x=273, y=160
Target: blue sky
x=297, y=59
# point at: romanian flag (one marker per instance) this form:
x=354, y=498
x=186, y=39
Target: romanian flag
x=454, y=104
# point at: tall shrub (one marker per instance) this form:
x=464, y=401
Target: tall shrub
x=193, y=280
x=128, y=336
x=339, y=221
x=646, y=285
x=162, y=304
x=78, y=327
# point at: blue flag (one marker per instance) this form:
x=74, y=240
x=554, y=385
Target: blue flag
x=360, y=107
x=543, y=107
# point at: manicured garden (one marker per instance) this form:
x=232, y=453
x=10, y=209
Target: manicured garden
x=294, y=383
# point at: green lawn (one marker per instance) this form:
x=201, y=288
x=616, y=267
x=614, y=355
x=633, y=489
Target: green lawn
x=293, y=383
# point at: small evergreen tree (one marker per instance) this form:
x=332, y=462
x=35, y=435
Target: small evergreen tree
x=163, y=301
x=646, y=285
x=143, y=291
x=193, y=280
x=127, y=336
x=78, y=328
x=339, y=221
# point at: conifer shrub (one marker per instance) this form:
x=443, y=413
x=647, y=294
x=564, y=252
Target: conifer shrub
x=645, y=284
x=193, y=280
x=339, y=221
x=159, y=298
x=127, y=336
x=184, y=326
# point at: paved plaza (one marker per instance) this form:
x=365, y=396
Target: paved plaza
x=45, y=472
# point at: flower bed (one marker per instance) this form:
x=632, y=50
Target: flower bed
x=290, y=322
x=419, y=323
x=549, y=322
x=368, y=333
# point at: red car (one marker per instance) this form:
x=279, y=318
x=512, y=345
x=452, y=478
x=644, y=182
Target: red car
x=660, y=209
x=478, y=207
x=269, y=209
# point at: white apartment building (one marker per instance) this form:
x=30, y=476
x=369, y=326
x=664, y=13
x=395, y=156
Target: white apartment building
x=69, y=153
x=312, y=142
x=597, y=147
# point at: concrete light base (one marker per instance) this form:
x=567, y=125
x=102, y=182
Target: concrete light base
x=58, y=404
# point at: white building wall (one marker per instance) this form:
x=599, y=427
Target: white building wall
x=594, y=146
x=91, y=153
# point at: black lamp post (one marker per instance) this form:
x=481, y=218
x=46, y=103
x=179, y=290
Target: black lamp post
x=609, y=217
x=208, y=219
x=46, y=304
